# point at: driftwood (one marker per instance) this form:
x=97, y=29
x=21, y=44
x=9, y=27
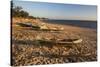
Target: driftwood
x=62, y=41
x=39, y=27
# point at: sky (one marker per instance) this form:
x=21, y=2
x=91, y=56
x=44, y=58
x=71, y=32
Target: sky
x=58, y=10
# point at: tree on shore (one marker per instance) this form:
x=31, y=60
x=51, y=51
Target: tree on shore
x=17, y=11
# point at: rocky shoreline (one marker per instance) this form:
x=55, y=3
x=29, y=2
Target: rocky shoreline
x=26, y=52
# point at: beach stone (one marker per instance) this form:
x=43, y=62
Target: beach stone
x=66, y=60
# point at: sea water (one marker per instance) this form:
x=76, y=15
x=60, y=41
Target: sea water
x=79, y=23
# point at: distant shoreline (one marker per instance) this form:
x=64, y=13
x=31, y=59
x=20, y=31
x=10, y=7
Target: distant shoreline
x=75, y=20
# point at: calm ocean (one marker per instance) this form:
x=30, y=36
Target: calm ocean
x=79, y=23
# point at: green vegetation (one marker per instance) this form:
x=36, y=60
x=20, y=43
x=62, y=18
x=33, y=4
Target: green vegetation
x=17, y=11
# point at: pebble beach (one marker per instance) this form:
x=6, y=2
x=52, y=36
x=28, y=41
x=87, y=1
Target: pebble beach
x=27, y=52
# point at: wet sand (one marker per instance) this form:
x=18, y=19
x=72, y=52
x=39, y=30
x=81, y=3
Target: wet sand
x=27, y=52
